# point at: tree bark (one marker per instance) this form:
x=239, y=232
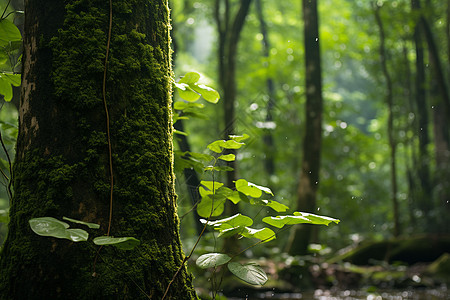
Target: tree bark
x=312, y=141
x=61, y=167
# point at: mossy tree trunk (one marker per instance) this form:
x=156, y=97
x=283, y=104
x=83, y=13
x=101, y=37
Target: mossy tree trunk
x=62, y=168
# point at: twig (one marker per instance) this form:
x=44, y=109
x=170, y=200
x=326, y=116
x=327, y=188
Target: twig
x=10, y=166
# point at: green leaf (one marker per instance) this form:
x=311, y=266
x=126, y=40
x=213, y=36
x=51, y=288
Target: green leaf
x=239, y=138
x=235, y=221
x=216, y=146
x=299, y=218
x=232, y=144
x=236, y=197
x=207, y=207
x=212, y=260
x=48, y=226
x=14, y=79
x=175, y=131
x=123, y=243
x=243, y=186
x=201, y=156
x=317, y=219
x=90, y=225
x=181, y=105
x=251, y=189
x=8, y=32
x=186, y=92
x=5, y=87
x=277, y=206
x=77, y=235
x=210, y=185
x=219, y=168
x=249, y=273
x=219, y=145
x=190, y=78
x=209, y=94
x=264, y=234
x=228, y=157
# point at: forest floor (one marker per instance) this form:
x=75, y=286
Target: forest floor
x=419, y=264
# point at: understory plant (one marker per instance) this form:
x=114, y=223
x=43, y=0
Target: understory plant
x=215, y=194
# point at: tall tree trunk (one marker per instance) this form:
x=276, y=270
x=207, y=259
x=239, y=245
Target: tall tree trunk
x=62, y=161
x=439, y=91
x=229, y=29
x=312, y=141
x=423, y=172
x=390, y=104
x=269, y=144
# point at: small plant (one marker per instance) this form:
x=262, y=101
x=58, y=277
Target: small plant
x=214, y=194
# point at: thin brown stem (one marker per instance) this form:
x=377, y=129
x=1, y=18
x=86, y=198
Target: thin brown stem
x=108, y=121
x=10, y=166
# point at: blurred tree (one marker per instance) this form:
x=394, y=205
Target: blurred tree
x=312, y=141
x=390, y=127
x=229, y=29
x=268, y=139
x=62, y=166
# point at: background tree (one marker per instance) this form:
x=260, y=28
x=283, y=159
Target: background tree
x=70, y=88
x=312, y=140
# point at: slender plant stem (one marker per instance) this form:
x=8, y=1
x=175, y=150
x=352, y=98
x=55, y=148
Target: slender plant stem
x=10, y=166
x=108, y=121
x=4, y=11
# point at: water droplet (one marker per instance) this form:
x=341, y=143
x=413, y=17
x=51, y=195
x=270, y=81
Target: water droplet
x=317, y=39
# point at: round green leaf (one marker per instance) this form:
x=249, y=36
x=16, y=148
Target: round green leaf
x=123, y=243
x=186, y=92
x=206, y=205
x=48, y=226
x=77, y=235
x=190, y=78
x=5, y=87
x=249, y=273
x=9, y=32
x=211, y=260
x=209, y=94
x=264, y=234
x=243, y=186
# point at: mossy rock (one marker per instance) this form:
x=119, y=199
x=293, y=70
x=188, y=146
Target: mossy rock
x=409, y=250
x=440, y=268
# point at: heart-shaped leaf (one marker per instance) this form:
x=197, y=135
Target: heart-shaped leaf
x=249, y=273
x=211, y=260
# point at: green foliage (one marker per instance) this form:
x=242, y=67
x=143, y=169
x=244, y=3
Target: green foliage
x=122, y=243
x=250, y=273
x=48, y=226
x=212, y=260
x=10, y=43
x=214, y=196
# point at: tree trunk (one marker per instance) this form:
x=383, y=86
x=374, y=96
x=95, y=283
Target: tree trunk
x=312, y=141
x=390, y=104
x=229, y=29
x=269, y=143
x=62, y=161
x=423, y=172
